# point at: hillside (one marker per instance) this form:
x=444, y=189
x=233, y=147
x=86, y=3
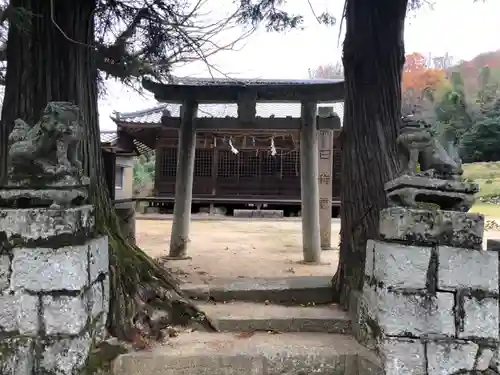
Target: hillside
x=491, y=59
x=469, y=70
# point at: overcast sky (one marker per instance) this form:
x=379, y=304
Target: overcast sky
x=458, y=27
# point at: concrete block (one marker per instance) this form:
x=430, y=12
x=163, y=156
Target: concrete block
x=8, y=314
x=106, y=288
x=202, y=353
x=430, y=183
x=284, y=363
x=98, y=306
x=151, y=210
x=404, y=314
x=65, y=356
x=16, y=356
x=495, y=361
x=95, y=298
x=484, y=359
x=401, y=267
x=450, y=358
x=28, y=315
x=463, y=268
x=4, y=272
x=99, y=257
x=370, y=247
x=194, y=365
x=361, y=312
x=427, y=227
x=402, y=356
x=480, y=318
x=44, y=269
x=19, y=312
x=268, y=214
x=493, y=244
x=249, y=317
x=98, y=302
x=18, y=226
x=64, y=315
x=295, y=290
x=366, y=367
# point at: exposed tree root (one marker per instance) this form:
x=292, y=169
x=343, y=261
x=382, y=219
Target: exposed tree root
x=145, y=298
x=340, y=291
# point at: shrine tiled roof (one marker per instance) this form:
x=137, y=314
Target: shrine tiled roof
x=264, y=110
x=109, y=138
x=250, y=81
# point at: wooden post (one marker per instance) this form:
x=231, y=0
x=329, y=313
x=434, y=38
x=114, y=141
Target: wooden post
x=109, y=160
x=325, y=166
x=309, y=183
x=184, y=182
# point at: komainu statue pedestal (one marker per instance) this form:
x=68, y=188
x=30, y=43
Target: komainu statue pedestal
x=423, y=191
x=429, y=304
x=54, y=283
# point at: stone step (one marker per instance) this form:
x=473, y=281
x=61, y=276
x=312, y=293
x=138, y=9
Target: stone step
x=298, y=290
x=258, y=213
x=248, y=316
x=200, y=353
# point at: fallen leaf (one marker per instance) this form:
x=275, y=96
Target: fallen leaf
x=274, y=332
x=172, y=332
x=245, y=335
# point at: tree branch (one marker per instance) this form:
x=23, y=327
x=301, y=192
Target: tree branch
x=157, y=35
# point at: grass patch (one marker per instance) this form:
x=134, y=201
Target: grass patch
x=487, y=175
x=482, y=171
x=488, y=188
x=492, y=211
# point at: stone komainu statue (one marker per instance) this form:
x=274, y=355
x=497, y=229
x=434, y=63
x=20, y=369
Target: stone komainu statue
x=48, y=149
x=416, y=144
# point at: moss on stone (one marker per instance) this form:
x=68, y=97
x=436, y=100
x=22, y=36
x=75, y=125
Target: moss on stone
x=101, y=357
x=101, y=354
x=10, y=347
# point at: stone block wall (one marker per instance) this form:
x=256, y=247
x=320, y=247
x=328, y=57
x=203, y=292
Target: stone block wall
x=54, y=289
x=430, y=299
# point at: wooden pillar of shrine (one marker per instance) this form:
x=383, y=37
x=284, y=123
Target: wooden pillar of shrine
x=179, y=238
x=309, y=183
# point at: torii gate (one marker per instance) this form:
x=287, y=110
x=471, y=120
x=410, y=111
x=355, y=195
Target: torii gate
x=246, y=93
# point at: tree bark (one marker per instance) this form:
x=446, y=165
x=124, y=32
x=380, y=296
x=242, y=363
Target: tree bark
x=44, y=65
x=51, y=58
x=373, y=58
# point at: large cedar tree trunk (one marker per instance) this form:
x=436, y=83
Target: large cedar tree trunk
x=51, y=58
x=373, y=58
x=44, y=65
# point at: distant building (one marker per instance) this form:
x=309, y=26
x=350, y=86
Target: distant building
x=120, y=181
x=119, y=151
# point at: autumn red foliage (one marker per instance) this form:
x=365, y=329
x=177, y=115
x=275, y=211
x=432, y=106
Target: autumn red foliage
x=417, y=77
